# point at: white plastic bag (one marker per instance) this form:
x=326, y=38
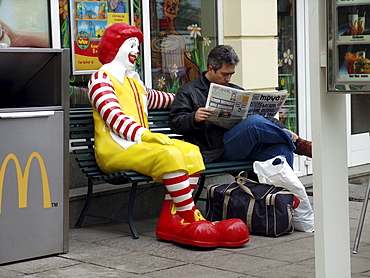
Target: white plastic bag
x=280, y=174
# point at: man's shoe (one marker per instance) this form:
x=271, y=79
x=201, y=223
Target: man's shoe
x=172, y=227
x=303, y=147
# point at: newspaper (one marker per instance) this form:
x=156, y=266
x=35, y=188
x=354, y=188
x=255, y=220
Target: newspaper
x=230, y=106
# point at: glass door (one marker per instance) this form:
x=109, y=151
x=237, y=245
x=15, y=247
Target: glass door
x=359, y=146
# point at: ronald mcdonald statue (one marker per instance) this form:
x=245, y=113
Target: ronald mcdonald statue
x=123, y=141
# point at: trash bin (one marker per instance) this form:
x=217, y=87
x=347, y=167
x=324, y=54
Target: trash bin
x=33, y=153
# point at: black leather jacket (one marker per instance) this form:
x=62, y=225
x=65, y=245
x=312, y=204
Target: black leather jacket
x=207, y=136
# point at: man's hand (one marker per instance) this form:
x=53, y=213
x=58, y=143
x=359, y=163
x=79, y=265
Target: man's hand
x=292, y=135
x=159, y=138
x=202, y=114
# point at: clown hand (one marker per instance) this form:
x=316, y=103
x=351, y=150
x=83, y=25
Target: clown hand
x=159, y=138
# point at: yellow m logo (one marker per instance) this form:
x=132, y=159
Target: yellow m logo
x=23, y=179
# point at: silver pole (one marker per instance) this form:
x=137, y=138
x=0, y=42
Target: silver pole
x=362, y=219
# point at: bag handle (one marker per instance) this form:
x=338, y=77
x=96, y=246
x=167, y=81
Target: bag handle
x=241, y=179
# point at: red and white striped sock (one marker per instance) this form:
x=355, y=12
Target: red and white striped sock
x=177, y=186
x=193, y=179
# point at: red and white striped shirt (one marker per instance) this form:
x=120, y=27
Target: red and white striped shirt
x=103, y=97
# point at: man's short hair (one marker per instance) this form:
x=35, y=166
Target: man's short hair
x=222, y=54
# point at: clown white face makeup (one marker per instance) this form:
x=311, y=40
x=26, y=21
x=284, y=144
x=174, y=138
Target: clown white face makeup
x=127, y=53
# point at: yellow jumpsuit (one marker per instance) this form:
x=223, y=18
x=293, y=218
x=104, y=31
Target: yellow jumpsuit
x=151, y=159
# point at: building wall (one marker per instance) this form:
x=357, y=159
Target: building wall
x=250, y=27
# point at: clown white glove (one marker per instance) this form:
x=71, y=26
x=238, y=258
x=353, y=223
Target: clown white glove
x=159, y=138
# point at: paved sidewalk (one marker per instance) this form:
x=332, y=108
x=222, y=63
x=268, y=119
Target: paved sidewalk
x=109, y=251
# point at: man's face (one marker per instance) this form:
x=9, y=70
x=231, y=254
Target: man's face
x=128, y=52
x=222, y=76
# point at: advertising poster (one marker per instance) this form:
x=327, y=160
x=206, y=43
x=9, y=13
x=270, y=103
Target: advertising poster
x=353, y=64
x=352, y=23
x=348, y=45
x=91, y=18
x=24, y=23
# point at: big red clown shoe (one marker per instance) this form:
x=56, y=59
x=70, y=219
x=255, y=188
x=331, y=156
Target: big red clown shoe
x=172, y=227
x=228, y=233
x=231, y=233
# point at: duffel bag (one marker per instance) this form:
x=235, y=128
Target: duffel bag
x=265, y=208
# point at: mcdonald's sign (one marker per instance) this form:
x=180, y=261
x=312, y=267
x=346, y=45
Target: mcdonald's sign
x=23, y=179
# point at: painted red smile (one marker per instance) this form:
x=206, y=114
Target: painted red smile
x=132, y=57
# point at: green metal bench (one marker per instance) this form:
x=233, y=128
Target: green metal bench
x=82, y=143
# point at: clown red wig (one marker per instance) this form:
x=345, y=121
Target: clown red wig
x=114, y=36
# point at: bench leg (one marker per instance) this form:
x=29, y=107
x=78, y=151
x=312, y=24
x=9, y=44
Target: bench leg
x=130, y=211
x=87, y=203
x=200, y=188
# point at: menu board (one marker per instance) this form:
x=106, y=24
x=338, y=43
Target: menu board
x=89, y=20
x=348, y=46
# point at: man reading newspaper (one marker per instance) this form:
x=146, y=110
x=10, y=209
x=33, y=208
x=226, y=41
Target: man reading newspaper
x=254, y=138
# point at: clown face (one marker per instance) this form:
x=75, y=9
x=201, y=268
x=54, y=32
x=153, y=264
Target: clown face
x=128, y=52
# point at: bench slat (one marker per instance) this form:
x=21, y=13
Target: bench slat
x=88, y=163
x=82, y=144
x=82, y=127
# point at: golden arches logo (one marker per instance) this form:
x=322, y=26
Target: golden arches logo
x=23, y=179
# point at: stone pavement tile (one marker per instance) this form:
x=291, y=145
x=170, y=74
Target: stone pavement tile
x=191, y=270
x=149, y=234
x=365, y=234
x=363, y=274
x=9, y=273
x=106, y=231
x=355, y=210
x=258, y=241
x=359, y=264
x=85, y=271
x=165, y=249
x=118, y=258
x=40, y=265
x=87, y=251
x=242, y=263
x=94, y=233
x=288, y=251
x=142, y=226
x=362, y=251
x=291, y=271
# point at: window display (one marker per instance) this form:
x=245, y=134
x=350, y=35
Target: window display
x=287, y=69
x=182, y=34
x=348, y=46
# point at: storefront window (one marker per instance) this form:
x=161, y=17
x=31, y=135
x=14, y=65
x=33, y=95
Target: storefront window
x=360, y=113
x=137, y=22
x=182, y=34
x=287, y=61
